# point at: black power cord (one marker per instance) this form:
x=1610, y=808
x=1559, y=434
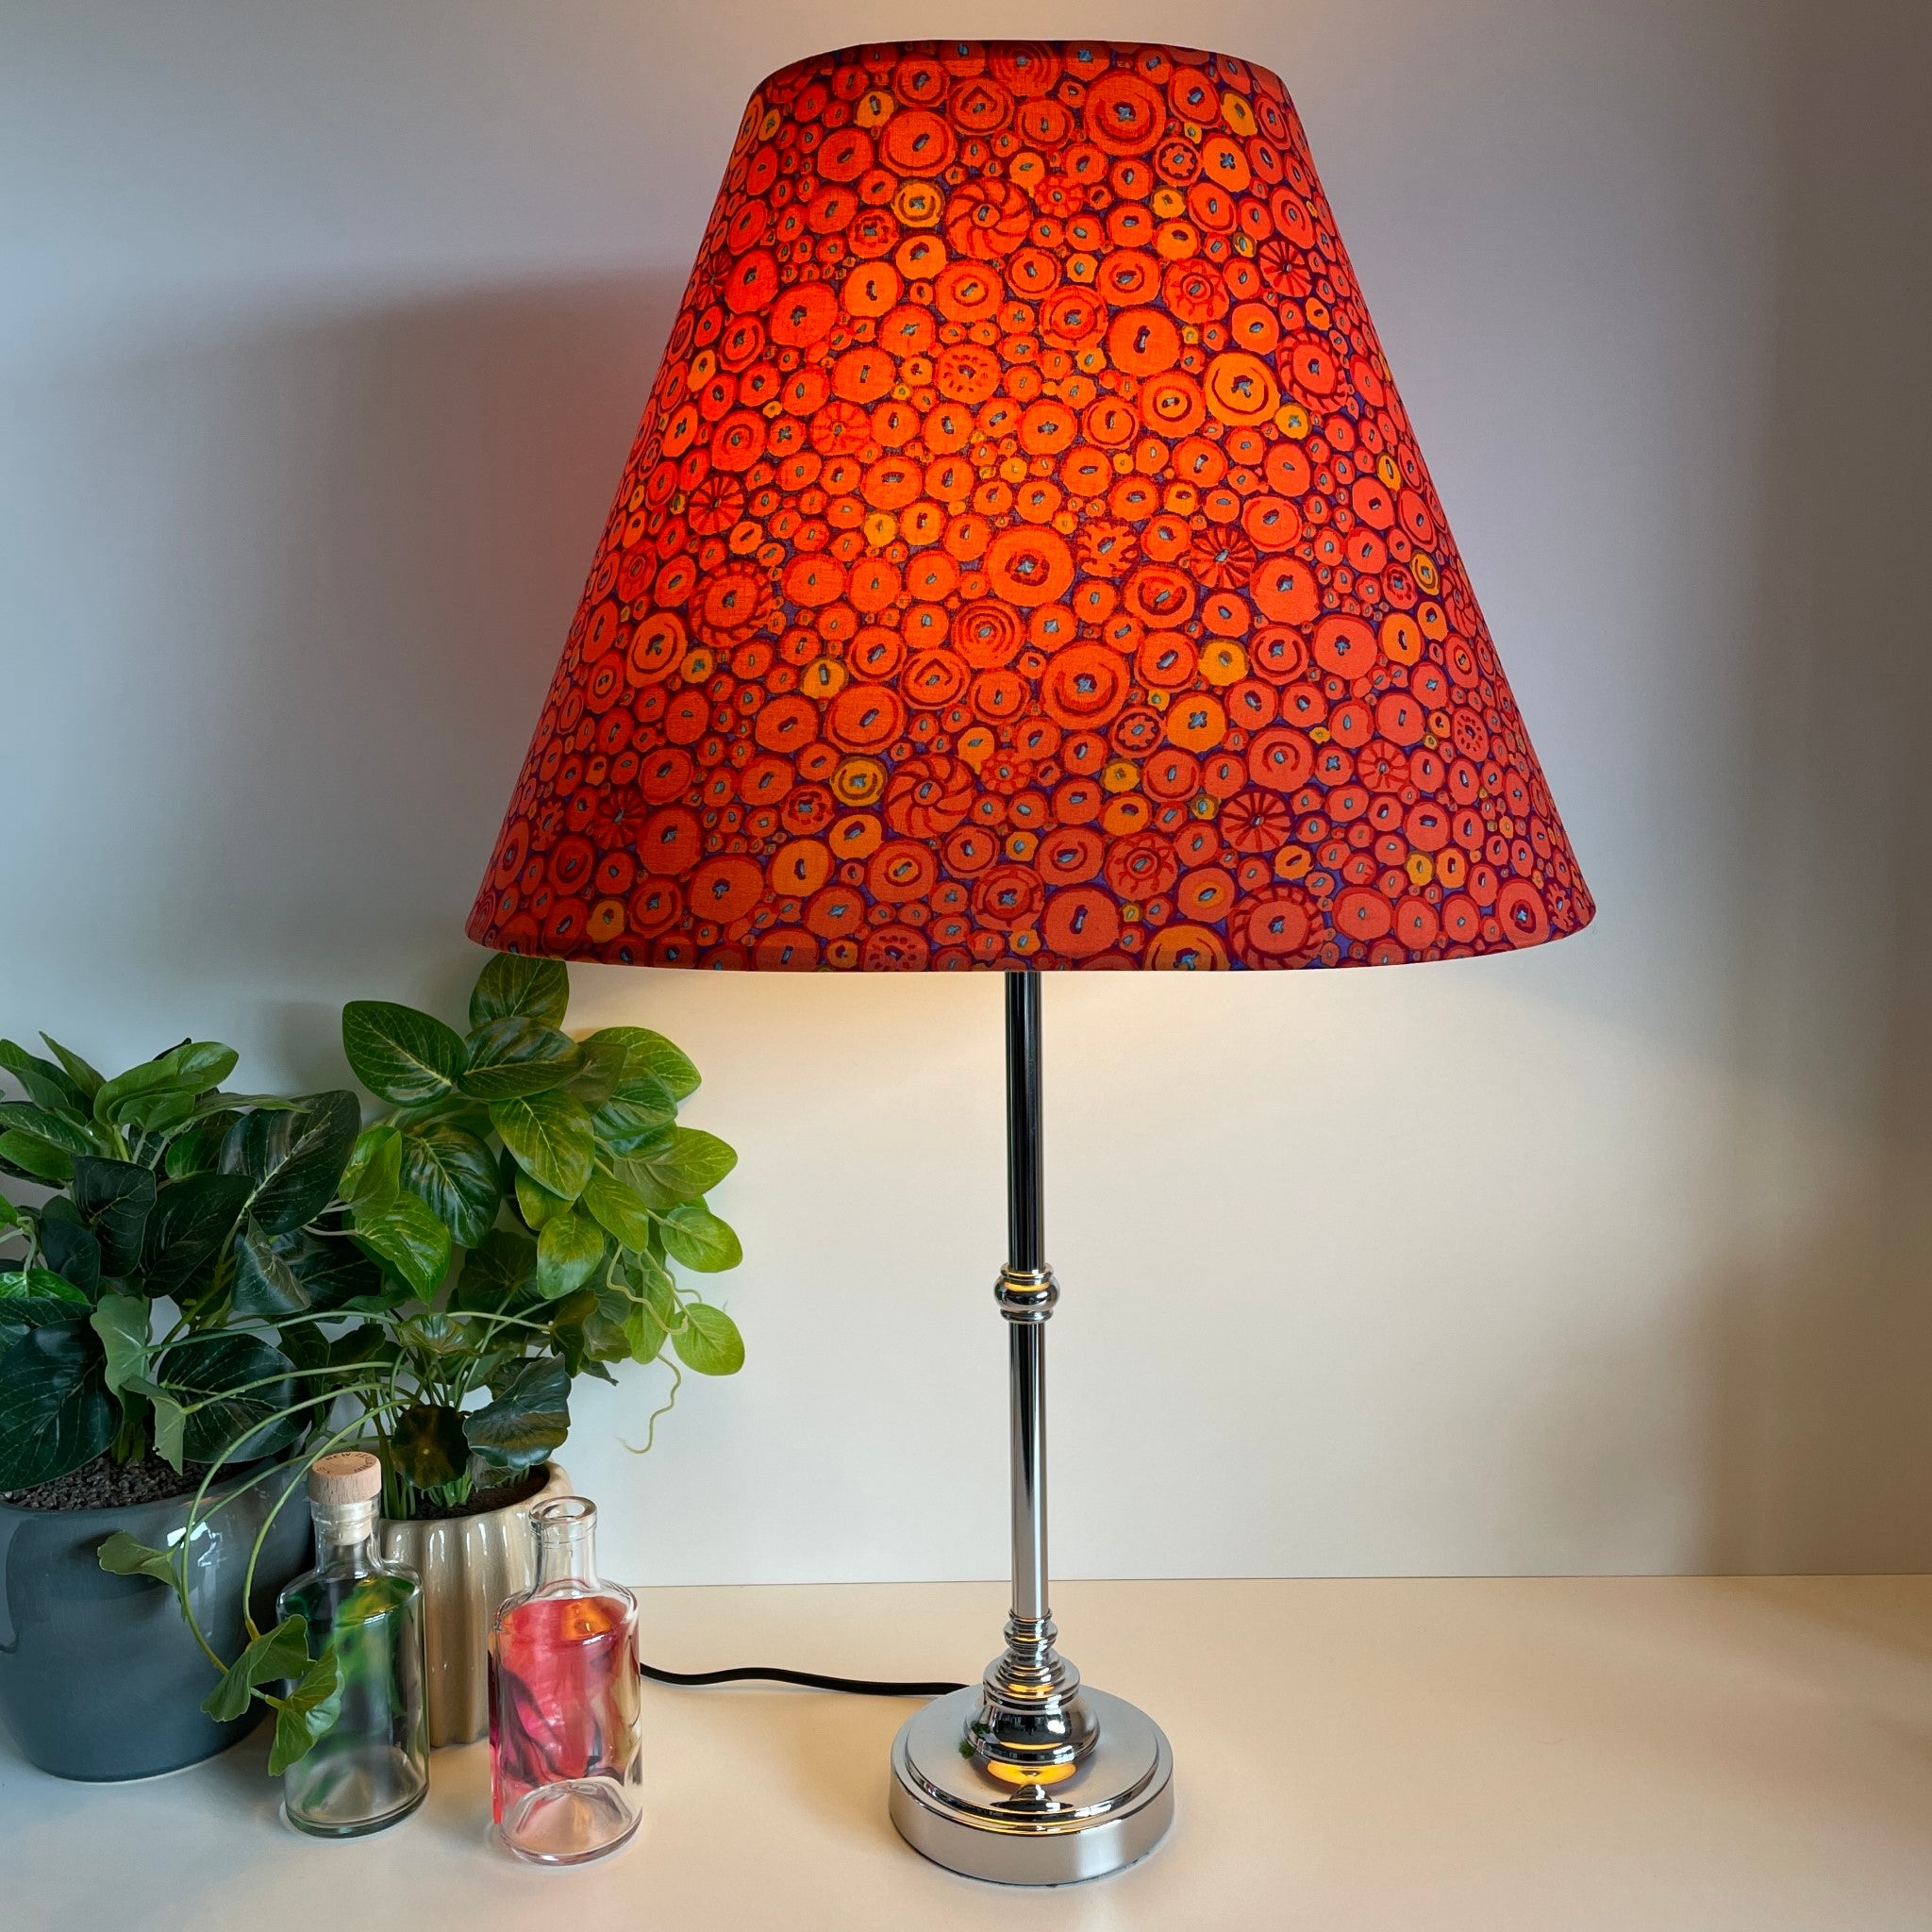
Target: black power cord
x=811, y=1680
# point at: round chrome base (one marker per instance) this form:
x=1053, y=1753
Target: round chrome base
x=1115, y=1808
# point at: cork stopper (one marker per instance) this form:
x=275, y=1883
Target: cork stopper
x=348, y=1475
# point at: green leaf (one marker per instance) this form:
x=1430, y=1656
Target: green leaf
x=685, y=1165
x=649, y=1055
x=145, y=1095
x=10, y=1214
x=295, y=1159
x=499, y=1270
x=368, y=1346
x=650, y=1278
x=620, y=1208
x=332, y=1272
x=197, y=1063
x=709, y=1340
x=215, y=1101
x=46, y=1085
x=193, y=1222
x=235, y=1388
x=405, y=1056
x=567, y=1333
x=71, y=1252
x=456, y=1174
x=644, y=1333
x=115, y=1198
x=428, y=1444
x=49, y=1086
x=56, y=1129
x=455, y=1109
x=514, y=1056
x=511, y=987
x=550, y=1136
x=22, y=1290
x=537, y=1204
x=121, y=1323
x=77, y=1069
x=170, y=1423
x=197, y=1148
x=121, y=1555
x=409, y=1239
x=304, y=1343
x=567, y=1250
x=374, y=1170
x=159, y=1114
x=588, y=1327
x=597, y=1080
x=695, y=1235
x=265, y=1285
x=440, y=1337
x=528, y=1418
x=55, y=1409
x=309, y=1713
x=33, y=1158
x=626, y=1126
x=273, y=1656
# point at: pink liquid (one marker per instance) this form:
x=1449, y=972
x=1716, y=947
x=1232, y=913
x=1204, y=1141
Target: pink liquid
x=563, y=1698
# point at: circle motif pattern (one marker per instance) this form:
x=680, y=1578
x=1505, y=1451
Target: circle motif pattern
x=1025, y=559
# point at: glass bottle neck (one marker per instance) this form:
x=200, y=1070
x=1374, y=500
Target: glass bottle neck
x=566, y=1553
x=344, y=1534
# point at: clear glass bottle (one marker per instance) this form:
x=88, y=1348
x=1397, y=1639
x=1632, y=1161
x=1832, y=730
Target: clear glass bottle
x=371, y=1767
x=565, y=1764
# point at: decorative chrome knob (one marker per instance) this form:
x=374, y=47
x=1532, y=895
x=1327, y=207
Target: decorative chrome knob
x=1027, y=1294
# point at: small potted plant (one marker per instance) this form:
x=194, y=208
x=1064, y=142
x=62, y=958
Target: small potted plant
x=146, y=1340
x=529, y=1194
x=516, y=1217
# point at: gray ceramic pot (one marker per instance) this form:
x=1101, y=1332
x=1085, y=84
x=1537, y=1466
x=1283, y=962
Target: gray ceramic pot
x=468, y=1565
x=99, y=1675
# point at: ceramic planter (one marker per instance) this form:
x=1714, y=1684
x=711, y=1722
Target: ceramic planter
x=468, y=1565
x=100, y=1678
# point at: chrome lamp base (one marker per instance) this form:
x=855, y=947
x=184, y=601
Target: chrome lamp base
x=1028, y=1779
x=1114, y=1808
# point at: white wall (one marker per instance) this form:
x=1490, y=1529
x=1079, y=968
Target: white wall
x=322, y=332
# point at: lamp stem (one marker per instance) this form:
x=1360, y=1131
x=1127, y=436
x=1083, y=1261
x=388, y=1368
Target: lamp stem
x=1025, y=1191
x=1026, y=1256
x=1050, y=1782
x=1032, y=1727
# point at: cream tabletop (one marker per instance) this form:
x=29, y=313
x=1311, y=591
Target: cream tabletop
x=1562, y=1754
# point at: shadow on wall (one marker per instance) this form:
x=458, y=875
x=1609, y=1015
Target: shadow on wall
x=367, y=533
x=1820, y=1343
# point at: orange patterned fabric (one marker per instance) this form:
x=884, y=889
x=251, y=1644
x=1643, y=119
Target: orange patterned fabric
x=1024, y=559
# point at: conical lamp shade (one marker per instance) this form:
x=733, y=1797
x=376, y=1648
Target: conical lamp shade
x=1026, y=560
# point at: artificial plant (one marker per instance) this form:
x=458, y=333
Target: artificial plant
x=509, y=1224
x=139, y=1301
x=526, y=1194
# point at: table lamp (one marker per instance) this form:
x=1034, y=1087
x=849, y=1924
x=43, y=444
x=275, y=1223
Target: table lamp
x=1025, y=562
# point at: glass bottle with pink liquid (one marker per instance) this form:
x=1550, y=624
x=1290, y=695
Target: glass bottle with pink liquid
x=565, y=1766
